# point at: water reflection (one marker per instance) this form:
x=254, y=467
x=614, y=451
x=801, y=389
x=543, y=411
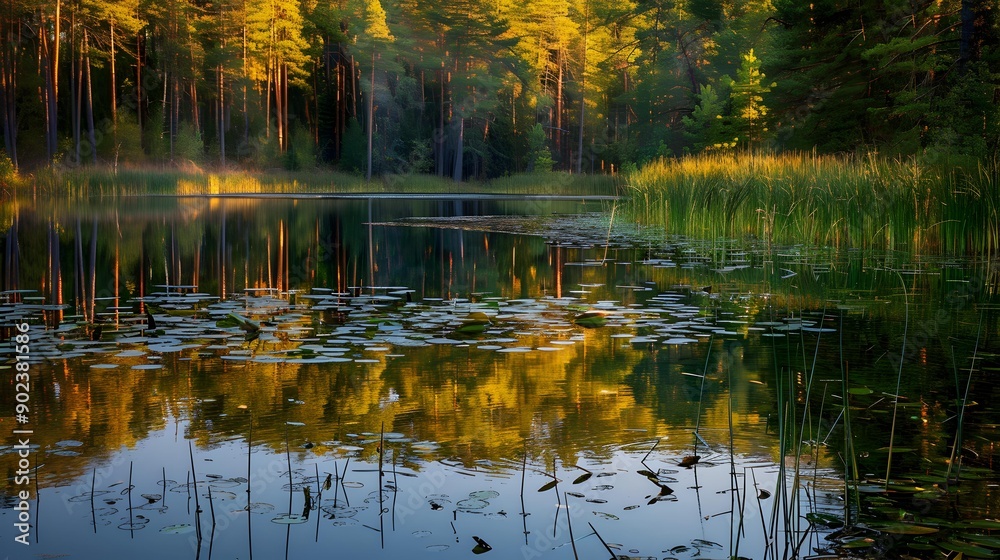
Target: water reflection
x=460, y=341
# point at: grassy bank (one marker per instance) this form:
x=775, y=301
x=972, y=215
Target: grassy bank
x=857, y=201
x=107, y=182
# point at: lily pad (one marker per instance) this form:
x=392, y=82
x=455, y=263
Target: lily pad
x=899, y=528
x=177, y=529
x=289, y=519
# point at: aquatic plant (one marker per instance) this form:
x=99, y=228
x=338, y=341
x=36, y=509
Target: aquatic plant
x=863, y=201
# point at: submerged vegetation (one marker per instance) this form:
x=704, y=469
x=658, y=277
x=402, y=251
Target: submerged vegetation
x=864, y=202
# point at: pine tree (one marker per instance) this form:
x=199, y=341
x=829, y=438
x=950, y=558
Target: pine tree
x=707, y=127
x=749, y=111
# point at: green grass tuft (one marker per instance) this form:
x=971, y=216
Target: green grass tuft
x=864, y=202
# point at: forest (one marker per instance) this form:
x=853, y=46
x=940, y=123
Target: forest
x=477, y=90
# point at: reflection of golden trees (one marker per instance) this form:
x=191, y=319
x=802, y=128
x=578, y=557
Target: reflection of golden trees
x=479, y=404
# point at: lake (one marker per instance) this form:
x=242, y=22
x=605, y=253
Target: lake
x=288, y=377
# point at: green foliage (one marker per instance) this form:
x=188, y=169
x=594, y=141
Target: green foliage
x=375, y=24
x=968, y=117
x=8, y=172
x=124, y=143
x=301, y=153
x=749, y=111
x=188, y=146
x=647, y=78
x=541, y=157
x=707, y=127
x=352, y=158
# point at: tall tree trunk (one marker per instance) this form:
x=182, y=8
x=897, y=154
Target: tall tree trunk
x=246, y=108
x=284, y=105
x=138, y=80
x=371, y=119
x=176, y=108
x=559, y=105
x=459, y=147
x=222, y=116
x=354, y=88
x=48, y=92
x=339, y=112
x=54, y=98
x=267, y=98
x=583, y=88
x=195, y=112
x=8, y=89
x=166, y=117
x=90, y=102
x=114, y=87
x=439, y=137
x=77, y=97
x=277, y=107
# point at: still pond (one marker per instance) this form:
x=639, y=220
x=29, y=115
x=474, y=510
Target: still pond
x=405, y=378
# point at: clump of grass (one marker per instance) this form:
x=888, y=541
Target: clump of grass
x=845, y=201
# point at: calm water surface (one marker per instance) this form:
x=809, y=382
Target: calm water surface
x=299, y=345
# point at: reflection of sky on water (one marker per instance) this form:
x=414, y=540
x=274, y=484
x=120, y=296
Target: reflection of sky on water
x=436, y=504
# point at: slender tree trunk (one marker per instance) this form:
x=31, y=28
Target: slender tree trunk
x=583, y=88
x=267, y=97
x=8, y=89
x=166, y=116
x=90, y=102
x=459, y=148
x=55, y=55
x=439, y=137
x=48, y=91
x=354, y=88
x=559, y=104
x=314, y=120
x=54, y=97
x=284, y=104
x=371, y=119
x=114, y=87
x=339, y=110
x=246, y=109
x=195, y=112
x=138, y=80
x=278, y=94
x=175, y=112
x=222, y=116
x=77, y=96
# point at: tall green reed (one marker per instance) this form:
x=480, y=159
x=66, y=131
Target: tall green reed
x=864, y=201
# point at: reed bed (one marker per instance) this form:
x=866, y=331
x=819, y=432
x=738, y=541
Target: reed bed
x=864, y=201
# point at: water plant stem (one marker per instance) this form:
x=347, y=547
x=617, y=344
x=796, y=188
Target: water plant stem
x=569, y=522
x=606, y=547
x=899, y=379
x=194, y=484
x=701, y=393
x=956, y=446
